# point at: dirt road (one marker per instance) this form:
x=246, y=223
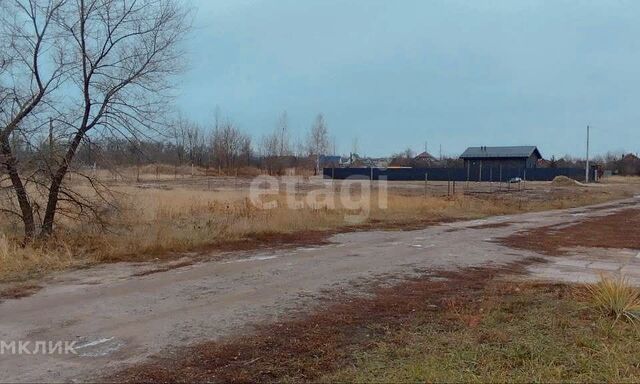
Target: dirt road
x=117, y=318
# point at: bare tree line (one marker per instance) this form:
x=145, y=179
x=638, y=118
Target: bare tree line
x=220, y=144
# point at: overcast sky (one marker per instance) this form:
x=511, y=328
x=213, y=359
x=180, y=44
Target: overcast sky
x=395, y=74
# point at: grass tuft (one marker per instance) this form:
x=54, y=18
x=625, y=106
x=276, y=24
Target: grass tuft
x=615, y=297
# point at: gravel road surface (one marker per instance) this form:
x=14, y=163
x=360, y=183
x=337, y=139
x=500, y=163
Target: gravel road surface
x=117, y=318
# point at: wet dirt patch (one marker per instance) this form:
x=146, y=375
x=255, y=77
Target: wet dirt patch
x=610, y=206
x=309, y=345
x=19, y=291
x=618, y=230
x=493, y=225
x=163, y=268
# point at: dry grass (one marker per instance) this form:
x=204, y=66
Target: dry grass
x=160, y=220
x=621, y=180
x=511, y=333
x=614, y=297
x=19, y=263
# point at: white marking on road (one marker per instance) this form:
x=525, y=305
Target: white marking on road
x=101, y=347
x=254, y=258
x=422, y=245
x=95, y=342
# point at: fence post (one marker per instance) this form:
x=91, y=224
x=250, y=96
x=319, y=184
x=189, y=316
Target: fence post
x=491, y=179
x=426, y=183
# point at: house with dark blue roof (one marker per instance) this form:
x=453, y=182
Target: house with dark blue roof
x=505, y=157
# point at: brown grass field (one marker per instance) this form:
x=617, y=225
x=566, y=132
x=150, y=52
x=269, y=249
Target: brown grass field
x=165, y=215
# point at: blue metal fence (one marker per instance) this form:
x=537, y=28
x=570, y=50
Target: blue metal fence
x=457, y=174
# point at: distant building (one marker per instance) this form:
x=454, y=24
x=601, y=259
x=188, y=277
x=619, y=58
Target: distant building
x=425, y=158
x=629, y=165
x=327, y=161
x=373, y=162
x=543, y=163
x=506, y=157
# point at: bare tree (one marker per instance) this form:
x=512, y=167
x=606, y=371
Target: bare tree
x=270, y=145
x=318, y=141
x=408, y=153
x=27, y=39
x=115, y=58
x=246, y=151
x=283, y=135
x=179, y=135
x=230, y=145
x=354, y=145
x=270, y=151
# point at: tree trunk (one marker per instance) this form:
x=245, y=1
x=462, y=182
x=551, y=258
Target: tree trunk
x=52, y=203
x=21, y=193
x=54, y=189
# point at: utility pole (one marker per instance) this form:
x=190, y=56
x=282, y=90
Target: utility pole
x=284, y=125
x=587, y=170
